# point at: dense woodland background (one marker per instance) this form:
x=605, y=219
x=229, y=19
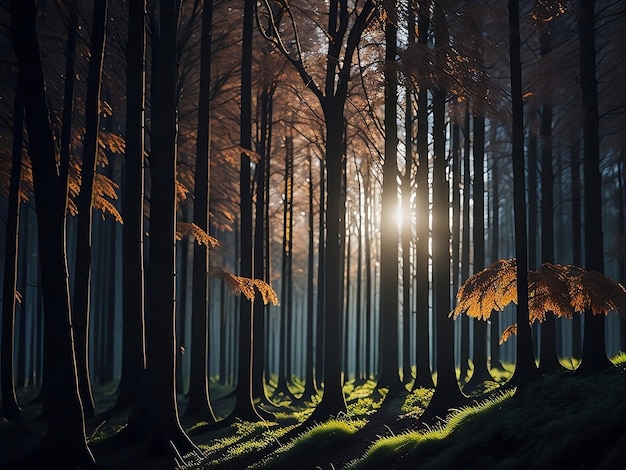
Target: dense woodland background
x=270, y=201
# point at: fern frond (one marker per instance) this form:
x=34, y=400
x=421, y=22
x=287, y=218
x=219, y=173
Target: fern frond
x=184, y=229
x=491, y=289
x=507, y=333
x=268, y=294
x=106, y=207
x=246, y=286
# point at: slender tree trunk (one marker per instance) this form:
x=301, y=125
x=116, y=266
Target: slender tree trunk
x=466, y=241
x=82, y=276
x=199, y=402
x=10, y=409
x=594, y=356
x=525, y=368
x=495, y=249
x=423, y=376
x=309, y=382
x=447, y=393
x=244, y=407
x=65, y=441
x=407, y=225
x=389, y=377
x=133, y=329
x=576, y=242
x=154, y=417
x=479, y=359
x=261, y=238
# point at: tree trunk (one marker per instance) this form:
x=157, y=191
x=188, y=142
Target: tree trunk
x=244, y=406
x=525, y=368
x=9, y=408
x=133, y=323
x=199, y=402
x=423, y=377
x=594, y=358
x=65, y=442
x=155, y=414
x=466, y=241
x=82, y=275
x=480, y=373
x=389, y=377
x=447, y=392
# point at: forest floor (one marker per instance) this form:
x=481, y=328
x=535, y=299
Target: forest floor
x=558, y=421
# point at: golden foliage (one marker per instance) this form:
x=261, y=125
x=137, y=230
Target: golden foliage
x=557, y=288
x=493, y=288
x=246, y=286
x=185, y=229
x=507, y=333
x=104, y=188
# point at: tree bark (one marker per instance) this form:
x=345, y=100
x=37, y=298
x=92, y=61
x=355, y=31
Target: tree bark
x=10, y=409
x=133, y=321
x=65, y=443
x=525, y=368
x=594, y=358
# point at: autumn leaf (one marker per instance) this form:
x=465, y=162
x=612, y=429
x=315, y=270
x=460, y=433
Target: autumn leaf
x=560, y=289
x=507, y=333
x=246, y=286
x=186, y=229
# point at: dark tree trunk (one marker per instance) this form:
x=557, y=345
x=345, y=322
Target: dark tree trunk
x=154, y=417
x=594, y=358
x=64, y=443
x=389, y=377
x=525, y=368
x=447, y=392
x=576, y=242
x=286, y=316
x=466, y=241
x=495, y=249
x=199, y=402
x=368, y=274
x=423, y=377
x=309, y=381
x=481, y=369
x=261, y=238
x=321, y=282
x=244, y=406
x=10, y=409
x=407, y=225
x=133, y=329
x=82, y=275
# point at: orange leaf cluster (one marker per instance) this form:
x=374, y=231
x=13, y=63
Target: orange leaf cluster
x=556, y=288
x=184, y=229
x=246, y=286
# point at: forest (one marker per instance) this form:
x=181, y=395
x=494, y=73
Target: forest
x=339, y=234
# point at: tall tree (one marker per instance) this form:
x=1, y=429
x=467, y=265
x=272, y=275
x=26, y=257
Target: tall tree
x=82, y=281
x=10, y=409
x=447, y=392
x=344, y=30
x=422, y=232
x=479, y=359
x=199, y=403
x=244, y=405
x=154, y=417
x=548, y=359
x=65, y=442
x=389, y=377
x=525, y=367
x=594, y=356
x=133, y=321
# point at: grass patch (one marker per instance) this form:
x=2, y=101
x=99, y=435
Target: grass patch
x=559, y=421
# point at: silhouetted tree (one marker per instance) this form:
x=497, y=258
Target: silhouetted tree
x=65, y=441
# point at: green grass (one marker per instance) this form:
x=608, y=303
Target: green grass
x=559, y=421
